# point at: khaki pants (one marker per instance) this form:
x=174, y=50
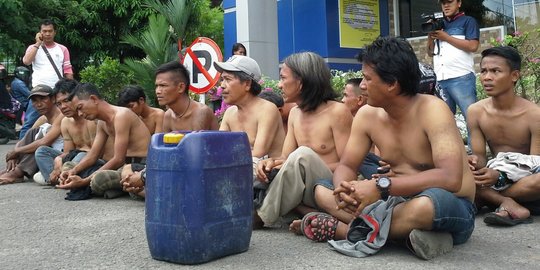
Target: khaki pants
x=106, y=180
x=294, y=184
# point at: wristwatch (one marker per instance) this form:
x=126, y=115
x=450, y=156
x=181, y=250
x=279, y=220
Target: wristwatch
x=383, y=184
x=143, y=175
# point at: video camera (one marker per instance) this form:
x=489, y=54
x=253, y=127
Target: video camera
x=434, y=22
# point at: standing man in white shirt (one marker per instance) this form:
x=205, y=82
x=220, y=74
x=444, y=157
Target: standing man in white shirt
x=43, y=70
x=452, y=49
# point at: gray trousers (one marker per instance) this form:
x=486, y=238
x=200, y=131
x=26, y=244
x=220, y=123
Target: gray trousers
x=294, y=184
x=27, y=162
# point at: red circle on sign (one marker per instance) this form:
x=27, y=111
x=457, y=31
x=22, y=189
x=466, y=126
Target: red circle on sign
x=212, y=79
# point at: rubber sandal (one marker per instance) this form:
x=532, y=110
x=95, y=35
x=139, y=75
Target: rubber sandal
x=325, y=230
x=498, y=220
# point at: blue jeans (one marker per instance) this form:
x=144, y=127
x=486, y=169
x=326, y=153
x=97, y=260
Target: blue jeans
x=45, y=156
x=30, y=117
x=460, y=91
x=452, y=214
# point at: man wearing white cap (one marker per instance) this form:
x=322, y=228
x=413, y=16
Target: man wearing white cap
x=259, y=118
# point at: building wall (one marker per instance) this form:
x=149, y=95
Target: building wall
x=326, y=32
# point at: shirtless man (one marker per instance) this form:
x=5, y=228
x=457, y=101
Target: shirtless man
x=124, y=127
x=507, y=123
x=259, y=118
x=76, y=132
x=416, y=135
x=133, y=97
x=285, y=111
x=172, y=85
x=354, y=96
x=318, y=130
x=20, y=162
x=249, y=113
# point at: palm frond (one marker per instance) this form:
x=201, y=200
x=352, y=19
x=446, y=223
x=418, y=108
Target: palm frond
x=176, y=12
x=143, y=71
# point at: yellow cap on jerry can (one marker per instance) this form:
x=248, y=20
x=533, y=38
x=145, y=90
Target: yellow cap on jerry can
x=172, y=138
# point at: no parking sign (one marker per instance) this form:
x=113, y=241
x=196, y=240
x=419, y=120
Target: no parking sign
x=199, y=61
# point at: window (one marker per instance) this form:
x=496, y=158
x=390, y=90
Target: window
x=527, y=15
x=410, y=16
x=523, y=13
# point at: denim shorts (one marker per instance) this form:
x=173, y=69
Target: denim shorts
x=452, y=214
x=327, y=183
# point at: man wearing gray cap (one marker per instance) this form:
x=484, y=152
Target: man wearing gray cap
x=259, y=118
x=20, y=161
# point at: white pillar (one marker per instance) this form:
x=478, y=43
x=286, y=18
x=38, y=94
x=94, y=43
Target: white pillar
x=257, y=30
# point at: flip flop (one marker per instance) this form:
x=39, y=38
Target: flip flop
x=326, y=226
x=498, y=220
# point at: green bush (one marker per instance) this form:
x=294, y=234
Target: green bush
x=527, y=45
x=109, y=78
x=339, y=79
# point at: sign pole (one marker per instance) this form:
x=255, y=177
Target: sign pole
x=202, y=98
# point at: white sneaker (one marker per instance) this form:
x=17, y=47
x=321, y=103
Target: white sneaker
x=38, y=178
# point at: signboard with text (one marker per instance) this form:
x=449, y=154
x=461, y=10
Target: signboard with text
x=359, y=23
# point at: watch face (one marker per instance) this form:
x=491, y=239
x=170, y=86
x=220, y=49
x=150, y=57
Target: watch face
x=384, y=182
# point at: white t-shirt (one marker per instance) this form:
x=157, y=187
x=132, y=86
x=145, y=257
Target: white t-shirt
x=43, y=72
x=58, y=144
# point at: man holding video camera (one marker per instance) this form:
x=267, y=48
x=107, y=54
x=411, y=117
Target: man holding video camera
x=452, y=40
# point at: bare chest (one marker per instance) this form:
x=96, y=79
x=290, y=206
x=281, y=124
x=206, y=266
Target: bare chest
x=315, y=133
x=506, y=133
x=406, y=148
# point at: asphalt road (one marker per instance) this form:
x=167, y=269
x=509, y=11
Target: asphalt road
x=41, y=230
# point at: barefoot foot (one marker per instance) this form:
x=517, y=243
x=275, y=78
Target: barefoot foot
x=296, y=227
x=11, y=177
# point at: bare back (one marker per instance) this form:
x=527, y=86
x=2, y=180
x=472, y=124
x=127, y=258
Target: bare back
x=198, y=117
x=325, y=131
x=262, y=122
x=154, y=120
x=513, y=130
x=128, y=132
